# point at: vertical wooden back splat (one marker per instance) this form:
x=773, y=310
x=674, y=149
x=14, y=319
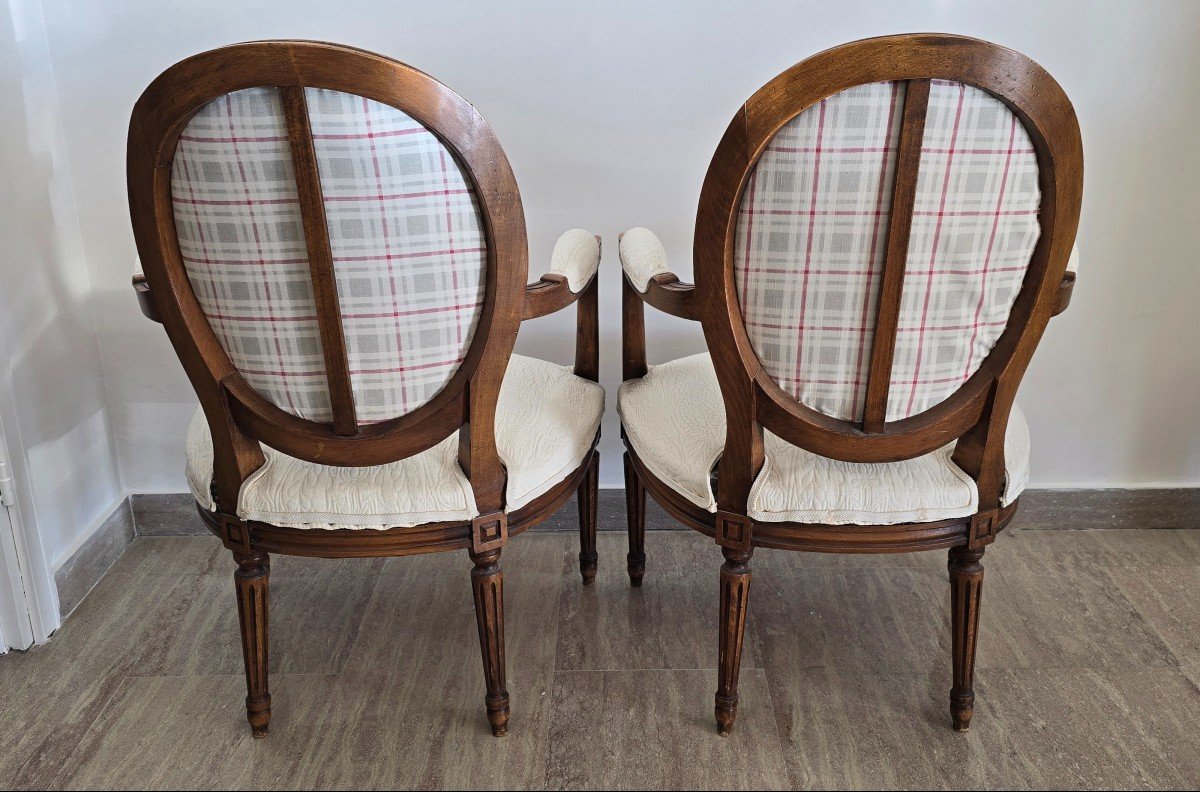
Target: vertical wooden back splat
x=904, y=191
x=320, y=259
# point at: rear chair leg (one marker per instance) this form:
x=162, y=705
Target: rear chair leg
x=251, y=580
x=635, y=512
x=735, y=600
x=487, y=584
x=587, y=494
x=966, y=591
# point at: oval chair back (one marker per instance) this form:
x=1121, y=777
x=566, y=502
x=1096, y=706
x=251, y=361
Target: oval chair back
x=880, y=243
x=336, y=246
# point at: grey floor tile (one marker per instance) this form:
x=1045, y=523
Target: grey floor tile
x=1060, y=612
x=654, y=729
x=1109, y=729
x=885, y=731
x=669, y=622
x=1089, y=672
x=316, y=606
x=1166, y=597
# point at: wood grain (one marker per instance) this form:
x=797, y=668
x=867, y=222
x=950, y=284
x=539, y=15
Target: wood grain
x=320, y=258
x=887, y=313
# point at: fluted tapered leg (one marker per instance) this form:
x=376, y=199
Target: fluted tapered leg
x=735, y=598
x=966, y=591
x=635, y=513
x=587, y=494
x=487, y=584
x=251, y=580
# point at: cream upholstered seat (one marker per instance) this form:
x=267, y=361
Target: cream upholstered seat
x=675, y=420
x=546, y=420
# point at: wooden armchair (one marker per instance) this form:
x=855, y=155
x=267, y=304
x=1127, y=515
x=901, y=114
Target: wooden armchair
x=335, y=245
x=882, y=237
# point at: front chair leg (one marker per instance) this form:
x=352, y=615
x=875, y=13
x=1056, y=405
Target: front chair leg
x=635, y=513
x=251, y=580
x=487, y=584
x=587, y=495
x=735, y=599
x=966, y=591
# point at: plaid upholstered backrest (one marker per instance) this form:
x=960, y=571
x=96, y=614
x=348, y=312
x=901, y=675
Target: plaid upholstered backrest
x=408, y=246
x=811, y=239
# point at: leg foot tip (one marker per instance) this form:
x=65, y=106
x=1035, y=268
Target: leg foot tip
x=589, y=576
x=259, y=732
x=724, y=729
x=497, y=714
x=636, y=582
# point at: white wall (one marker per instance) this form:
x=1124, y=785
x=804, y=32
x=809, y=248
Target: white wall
x=53, y=402
x=610, y=112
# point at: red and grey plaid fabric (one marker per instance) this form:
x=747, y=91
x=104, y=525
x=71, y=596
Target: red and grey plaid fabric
x=974, y=228
x=809, y=252
x=811, y=234
x=407, y=239
x=237, y=216
x=408, y=248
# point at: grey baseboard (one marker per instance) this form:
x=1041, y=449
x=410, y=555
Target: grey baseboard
x=1085, y=509
x=1081, y=509
x=83, y=570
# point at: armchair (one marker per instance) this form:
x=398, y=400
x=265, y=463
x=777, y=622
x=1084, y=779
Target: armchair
x=342, y=272
x=883, y=235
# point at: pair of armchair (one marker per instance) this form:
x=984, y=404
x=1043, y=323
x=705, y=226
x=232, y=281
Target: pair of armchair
x=335, y=245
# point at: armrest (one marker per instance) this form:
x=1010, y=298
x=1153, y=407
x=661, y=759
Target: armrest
x=644, y=261
x=572, y=277
x=573, y=266
x=1067, y=287
x=647, y=279
x=142, y=289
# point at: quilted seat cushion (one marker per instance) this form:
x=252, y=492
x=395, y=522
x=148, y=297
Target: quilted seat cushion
x=545, y=421
x=675, y=420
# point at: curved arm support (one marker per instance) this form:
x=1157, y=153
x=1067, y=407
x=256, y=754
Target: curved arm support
x=572, y=277
x=573, y=268
x=644, y=262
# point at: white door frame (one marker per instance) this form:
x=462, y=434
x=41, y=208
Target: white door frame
x=28, y=593
x=16, y=627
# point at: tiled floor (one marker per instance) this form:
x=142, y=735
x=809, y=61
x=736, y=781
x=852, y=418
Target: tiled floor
x=1088, y=672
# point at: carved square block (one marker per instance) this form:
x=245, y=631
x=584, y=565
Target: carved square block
x=235, y=533
x=984, y=528
x=489, y=531
x=733, y=530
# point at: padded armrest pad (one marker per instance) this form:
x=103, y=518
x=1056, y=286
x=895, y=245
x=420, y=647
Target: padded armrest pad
x=642, y=257
x=576, y=256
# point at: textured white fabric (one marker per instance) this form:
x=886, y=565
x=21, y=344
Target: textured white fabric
x=404, y=228
x=812, y=226
x=675, y=420
x=576, y=256
x=546, y=419
x=642, y=257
